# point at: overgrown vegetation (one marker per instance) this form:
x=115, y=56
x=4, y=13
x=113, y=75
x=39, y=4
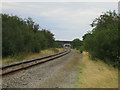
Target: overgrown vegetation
x=76, y=43
x=96, y=74
x=30, y=55
x=103, y=41
x=21, y=36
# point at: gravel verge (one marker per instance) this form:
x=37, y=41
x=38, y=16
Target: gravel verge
x=59, y=73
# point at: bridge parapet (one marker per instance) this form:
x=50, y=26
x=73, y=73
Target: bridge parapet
x=64, y=42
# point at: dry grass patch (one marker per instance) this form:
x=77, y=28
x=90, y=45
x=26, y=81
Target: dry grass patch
x=26, y=56
x=96, y=74
x=43, y=53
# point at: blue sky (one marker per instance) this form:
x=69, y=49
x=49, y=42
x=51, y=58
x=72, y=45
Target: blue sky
x=67, y=20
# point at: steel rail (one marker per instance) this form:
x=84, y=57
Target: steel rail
x=49, y=58
x=31, y=60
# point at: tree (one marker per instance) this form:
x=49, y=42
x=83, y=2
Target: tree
x=23, y=35
x=103, y=42
x=77, y=43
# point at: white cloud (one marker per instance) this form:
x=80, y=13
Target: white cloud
x=66, y=20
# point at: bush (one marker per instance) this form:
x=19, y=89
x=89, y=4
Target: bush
x=103, y=41
x=76, y=43
x=23, y=35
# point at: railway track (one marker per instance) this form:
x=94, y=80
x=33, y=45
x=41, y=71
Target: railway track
x=16, y=67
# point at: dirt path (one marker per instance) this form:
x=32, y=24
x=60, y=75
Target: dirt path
x=59, y=73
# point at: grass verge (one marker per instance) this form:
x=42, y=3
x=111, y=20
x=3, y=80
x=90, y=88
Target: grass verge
x=96, y=74
x=25, y=56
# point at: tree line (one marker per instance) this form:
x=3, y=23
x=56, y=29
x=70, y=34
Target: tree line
x=23, y=35
x=103, y=42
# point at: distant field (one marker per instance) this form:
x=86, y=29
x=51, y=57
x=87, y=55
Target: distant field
x=26, y=56
x=96, y=74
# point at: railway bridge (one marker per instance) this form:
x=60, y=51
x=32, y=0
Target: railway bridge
x=62, y=43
